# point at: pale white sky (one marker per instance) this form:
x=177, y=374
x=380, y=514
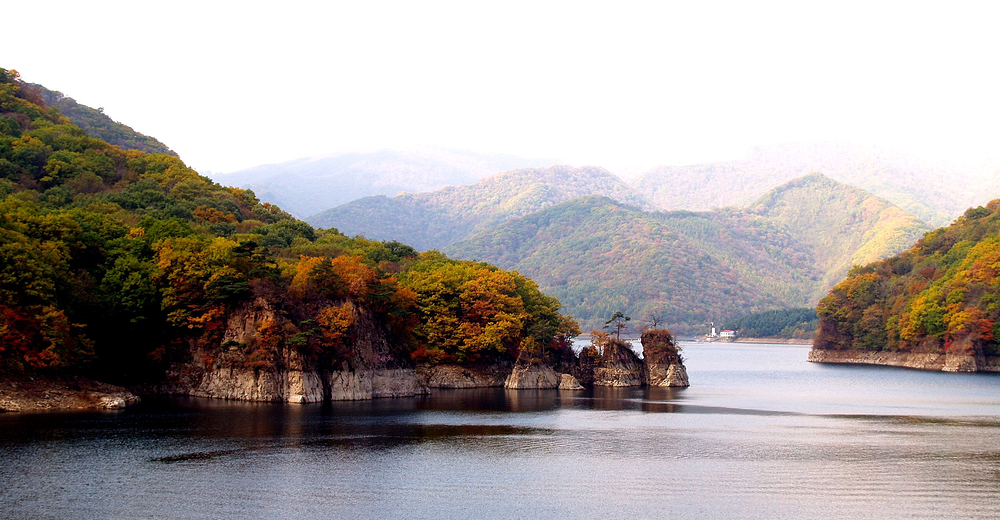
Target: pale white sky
x=625, y=85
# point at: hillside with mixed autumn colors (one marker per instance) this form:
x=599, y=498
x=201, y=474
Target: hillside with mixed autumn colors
x=941, y=296
x=785, y=250
x=117, y=262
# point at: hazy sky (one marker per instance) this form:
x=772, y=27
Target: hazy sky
x=623, y=85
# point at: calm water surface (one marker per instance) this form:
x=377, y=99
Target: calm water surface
x=760, y=434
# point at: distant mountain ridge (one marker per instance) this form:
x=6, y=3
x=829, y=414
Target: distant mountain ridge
x=786, y=250
x=437, y=219
x=934, y=193
x=308, y=186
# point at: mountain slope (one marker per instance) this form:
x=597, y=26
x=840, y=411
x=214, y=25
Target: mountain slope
x=96, y=124
x=123, y=264
x=436, y=219
x=844, y=226
x=598, y=256
x=934, y=193
x=940, y=297
x=307, y=186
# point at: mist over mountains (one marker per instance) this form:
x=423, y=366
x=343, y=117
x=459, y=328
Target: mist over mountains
x=437, y=219
x=308, y=186
x=936, y=193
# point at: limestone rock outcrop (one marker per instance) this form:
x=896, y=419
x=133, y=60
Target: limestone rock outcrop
x=568, y=382
x=459, y=376
x=530, y=372
x=616, y=364
x=663, y=363
x=372, y=371
x=241, y=367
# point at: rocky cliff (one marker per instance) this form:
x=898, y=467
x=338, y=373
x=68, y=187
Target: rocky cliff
x=663, y=363
x=240, y=366
x=530, y=372
x=610, y=362
x=462, y=376
x=287, y=375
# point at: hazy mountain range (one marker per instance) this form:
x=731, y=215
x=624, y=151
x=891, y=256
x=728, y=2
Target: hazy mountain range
x=935, y=193
x=437, y=219
x=308, y=186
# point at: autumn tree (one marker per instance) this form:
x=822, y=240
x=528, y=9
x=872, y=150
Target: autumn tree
x=618, y=321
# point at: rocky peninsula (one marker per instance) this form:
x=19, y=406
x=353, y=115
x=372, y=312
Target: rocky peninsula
x=373, y=372
x=373, y=369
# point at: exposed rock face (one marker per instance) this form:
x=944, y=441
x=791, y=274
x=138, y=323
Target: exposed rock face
x=920, y=361
x=589, y=359
x=664, y=366
x=296, y=386
x=619, y=366
x=244, y=368
x=568, y=382
x=531, y=373
x=456, y=376
x=371, y=372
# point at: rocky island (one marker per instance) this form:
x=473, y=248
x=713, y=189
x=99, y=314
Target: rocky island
x=608, y=362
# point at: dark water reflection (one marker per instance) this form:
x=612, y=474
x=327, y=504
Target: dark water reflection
x=762, y=434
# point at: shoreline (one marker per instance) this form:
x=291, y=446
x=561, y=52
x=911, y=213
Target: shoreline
x=43, y=394
x=754, y=341
x=929, y=361
x=775, y=341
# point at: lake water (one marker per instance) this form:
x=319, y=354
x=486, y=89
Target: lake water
x=760, y=434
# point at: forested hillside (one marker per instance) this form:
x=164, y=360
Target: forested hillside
x=941, y=296
x=797, y=323
x=117, y=262
x=598, y=256
x=843, y=225
x=933, y=193
x=95, y=123
x=311, y=185
x=435, y=220
x=786, y=250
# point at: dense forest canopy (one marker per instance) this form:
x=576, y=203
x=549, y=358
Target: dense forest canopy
x=797, y=323
x=115, y=262
x=943, y=295
x=95, y=123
